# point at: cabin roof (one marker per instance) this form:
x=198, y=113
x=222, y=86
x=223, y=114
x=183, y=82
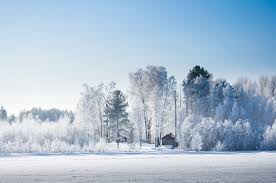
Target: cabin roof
x=169, y=136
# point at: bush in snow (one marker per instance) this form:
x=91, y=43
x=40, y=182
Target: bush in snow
x=186, y=135
x=209, y=134
x=237, y=136
x=269, y=142
x=196, y=143
x=101, y=146
x=34, y=136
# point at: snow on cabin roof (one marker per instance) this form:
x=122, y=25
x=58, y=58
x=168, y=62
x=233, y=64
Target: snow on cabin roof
x=169, y=135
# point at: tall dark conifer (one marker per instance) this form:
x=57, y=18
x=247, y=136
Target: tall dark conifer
x=117, y=117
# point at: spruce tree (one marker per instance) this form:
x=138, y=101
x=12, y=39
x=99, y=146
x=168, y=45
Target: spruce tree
x=198, y=71
x=117, y=117
x=3, y=114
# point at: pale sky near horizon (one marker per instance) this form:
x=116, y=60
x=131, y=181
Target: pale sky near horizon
x=48, y=49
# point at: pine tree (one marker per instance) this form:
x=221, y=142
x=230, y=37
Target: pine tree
x=118, y=125
x=3, y=114
x=196, y=88
x=198, y=71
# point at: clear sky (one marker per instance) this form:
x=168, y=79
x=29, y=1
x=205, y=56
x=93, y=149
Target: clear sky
x=49, y=48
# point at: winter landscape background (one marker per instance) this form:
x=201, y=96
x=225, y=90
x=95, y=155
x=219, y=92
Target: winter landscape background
x=137, y=91
x=203, y=113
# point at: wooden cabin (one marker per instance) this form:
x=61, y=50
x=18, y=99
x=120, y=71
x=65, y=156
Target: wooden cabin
x=169, y=139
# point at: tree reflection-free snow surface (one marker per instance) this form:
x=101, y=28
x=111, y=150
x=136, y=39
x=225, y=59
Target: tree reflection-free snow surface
x=140, y=167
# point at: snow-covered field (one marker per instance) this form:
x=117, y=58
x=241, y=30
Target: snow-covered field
x=159, y=166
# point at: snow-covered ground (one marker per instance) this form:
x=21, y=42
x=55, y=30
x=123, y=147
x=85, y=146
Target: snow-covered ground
x=157, y=166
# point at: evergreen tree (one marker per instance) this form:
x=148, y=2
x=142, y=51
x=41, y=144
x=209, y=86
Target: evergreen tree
x=11, y=118
x=198, y=71
x=196, y=89
x=3, y=114
x=118, y=125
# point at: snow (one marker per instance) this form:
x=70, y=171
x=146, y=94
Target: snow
x=150, y=166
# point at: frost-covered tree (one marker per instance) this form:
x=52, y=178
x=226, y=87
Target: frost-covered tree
x=269, y=141
x=222, y=99
x=227, y=117
x=140, y=95
x=272, y=87
x=267, y=86
x=90, y=110
x=136, y=116
x=196, y=143
x=196, y=88
x=152, y=92
x=187, y=131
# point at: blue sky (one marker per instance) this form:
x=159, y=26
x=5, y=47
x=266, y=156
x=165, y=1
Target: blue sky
x=49, y=48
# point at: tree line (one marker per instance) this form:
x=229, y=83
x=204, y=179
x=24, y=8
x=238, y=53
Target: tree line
x=202, y=112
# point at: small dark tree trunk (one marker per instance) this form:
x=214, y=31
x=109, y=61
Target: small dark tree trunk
x=117, y=130
x=146, y=127
x=175, y=114
x=101, y=120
